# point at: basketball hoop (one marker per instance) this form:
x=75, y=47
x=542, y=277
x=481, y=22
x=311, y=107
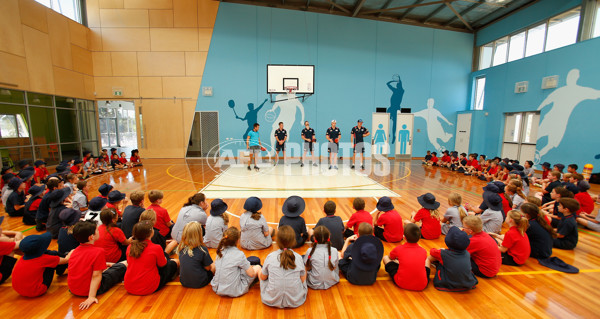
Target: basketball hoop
x=290, y=89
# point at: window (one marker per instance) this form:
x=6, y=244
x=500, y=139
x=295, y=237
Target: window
x=535, y=40
x=479, y=93
x=596, y=32
x=562, y=30
x=12, y=126
x=69, y=8
x=500, y=50
x=485, y=56
x=517, y=46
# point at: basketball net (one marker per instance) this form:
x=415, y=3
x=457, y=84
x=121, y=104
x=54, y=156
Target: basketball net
x=291, y=90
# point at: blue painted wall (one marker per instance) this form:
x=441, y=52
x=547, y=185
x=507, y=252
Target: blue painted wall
x=353, y=58
x=580, y=143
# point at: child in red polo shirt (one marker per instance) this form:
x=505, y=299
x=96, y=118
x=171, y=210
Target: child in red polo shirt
x=148, y=269
x=434, y=159
x=485, y=256
x=123, y=160
x=407, y=264
x=116, y=201
x=88, y=275
x=393, y=227
x=514, y=244
x=9, y=243
x=163, y=221
x=112, y=239
x=360, y=216
x=135, y=158
x=40, y=172
x=77, y=167
x=34, y=273
x=428, y=216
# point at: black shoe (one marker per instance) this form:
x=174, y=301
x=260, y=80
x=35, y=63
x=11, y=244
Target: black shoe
x=256, y=168
x=249, y=168
x=315, y=164
x=362, y=167
x=352, y=166
x=329, y=166
x=301, y=164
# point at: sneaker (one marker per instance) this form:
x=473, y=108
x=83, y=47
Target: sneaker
x=329, y=166
x=301, y=164
x=335, y=167
x=315, y=164
x=362, y=167
x=256, y=168
x=352, y=166
x=249, y=168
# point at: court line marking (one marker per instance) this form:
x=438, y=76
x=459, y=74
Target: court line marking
x=384, y=278
x=181, y=179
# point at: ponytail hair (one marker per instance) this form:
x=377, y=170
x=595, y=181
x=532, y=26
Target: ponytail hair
x=532, y=211
x=434, y=213
x=455, y=199
x=230, y=238
x=516, y=186
x=286, y=239
x=141, y=232
x=195, y=200
x=520, y=220
x=321, y=236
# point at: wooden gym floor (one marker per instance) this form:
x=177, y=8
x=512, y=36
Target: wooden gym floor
x=529, y=291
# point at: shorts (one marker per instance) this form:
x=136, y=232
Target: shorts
x=359, y=148
x=392, y=268
x=332, y=147
x=308, y=146
x=255, y=149
x=280, y=147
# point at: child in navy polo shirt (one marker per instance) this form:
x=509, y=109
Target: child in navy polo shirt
x=553, y=181
x=453, y=265
x=567, y=227
x=360, y=258
x=539, y=232
x=15, y=204
x=360, y=216
x=88, y=275
x=427, y=157
x=333, y=223
x=292, y=208
x=408, y=264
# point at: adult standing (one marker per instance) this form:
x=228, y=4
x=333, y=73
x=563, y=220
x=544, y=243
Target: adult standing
x=357, y=136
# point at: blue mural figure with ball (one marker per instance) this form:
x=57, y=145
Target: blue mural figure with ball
x=395, y=101
x=403, y=138
x=379, y=139
x=251, y=116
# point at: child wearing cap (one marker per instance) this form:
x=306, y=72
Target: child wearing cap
x=34, y=273
x=88, y=273
x=104, y=190
x=148, y=270
x=66, y=240
x=292, y=208
x=256, y=233
x=434, y=159
x=234, y=273
x=453, y=265
x=360, y=258
x=15, y=203
x=485, y=256
x=112, y=239
x=193, y=210
x=322, y=261
x=132, y=213
x=283, y=277
x=41, y=217
x=393, y=227
x=31, y=206
x=514, y=244
x=196, y=266
x=360, y=216
x=586, y=202
x=333, y=223
x=9, y=243
x=567, y=233
x=216, y=223
x=40, y=172
x=117, y=201
x=407, y=264
x=58, y=202
x=163, y=220
x=95, y=206
x=77, y=167
x=428, y=217
x=492, y=217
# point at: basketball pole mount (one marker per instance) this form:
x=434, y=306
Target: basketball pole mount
x=302, y=96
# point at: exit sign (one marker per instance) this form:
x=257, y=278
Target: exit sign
x=117, y=91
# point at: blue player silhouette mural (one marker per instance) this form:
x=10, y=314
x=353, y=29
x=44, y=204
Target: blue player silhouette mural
x=395, y=101
x=251, y=116
x=403, y=138
x=379, y=139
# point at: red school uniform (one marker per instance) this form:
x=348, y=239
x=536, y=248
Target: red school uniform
x=434, y=159
x=85, y=259
x=134, y=159
x=162, y=219
x=586, y=203
x=5, y=249
x=431, y=227
x=123, y=160
x=493, y=170
x=518, y=246
x=142, y=276
x=446, y=158
x=28, y=275
x=109, y=205
x=39, y=173
x=545, y=174
x=110, y=243
x=76, y=169
x=484, y=252
x=393, y=226
x=359, y=217
x=505, y=206
x=411, y=273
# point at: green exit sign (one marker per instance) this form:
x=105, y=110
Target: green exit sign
x=117, y=91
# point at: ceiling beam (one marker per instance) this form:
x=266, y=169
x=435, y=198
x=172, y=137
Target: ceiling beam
x=405, y=13
x=459, y=16
x=385, y=6
x=462, y=13
x=333, y=4
x=434, y=12
x=408, y=7
x=357, y=7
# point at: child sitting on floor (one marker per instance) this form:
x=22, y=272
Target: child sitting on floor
x=485, y=256
x=196, y=267
x=407, y=264
x=360, y=258
x=163, y=221
x=514, y=244
x=216, y=223
x=283, y=277
x=539, y=232
x=334, y=224
x=428, y=217
x=256, y=234
x=292, y=208
x=322, y=261
x=360, y=216
x=453, y=265
x=393, y=227
x=112, y=239
x=568, y=234
x=454, y=214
